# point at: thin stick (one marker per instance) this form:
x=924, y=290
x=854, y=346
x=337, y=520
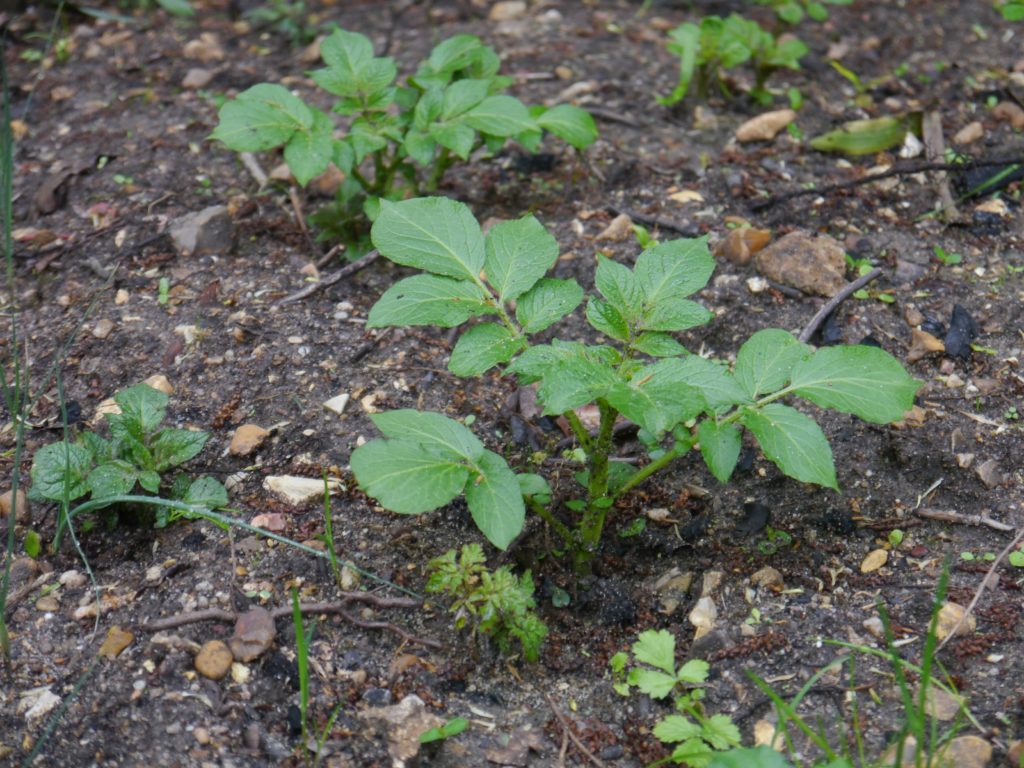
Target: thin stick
x=567, y=729
x=331, y=279
x=253, y=167
x=687, y=230
x=835, y=301
x=935, y=150
x=949, y=516
x=981, y=588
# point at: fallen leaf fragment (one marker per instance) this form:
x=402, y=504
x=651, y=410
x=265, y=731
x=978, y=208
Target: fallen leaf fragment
x=617, y=230
x=270, y=521
x=740, y=245
x=116, y=641
x=1011, y=113
x=297, y=490
x=875, y=560
x=766, y=126
x=254, y=634
x=686, y=196
x=403, y=723
x=969, y=134
x=863, y=137
x=37, y=702
x=923, y=344
x=950, y=615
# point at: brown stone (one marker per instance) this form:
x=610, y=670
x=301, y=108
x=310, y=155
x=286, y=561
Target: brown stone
x=740, y=245
x=247, y=439
x=254, y=634
x=214, y=660
x=21, y=512
x=814, y=265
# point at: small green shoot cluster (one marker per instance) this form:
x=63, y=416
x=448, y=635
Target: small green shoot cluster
x=793, y=11
x=697, y=735
x=706, y=50
x=286, y=18
x=678, y=399
x=400, y=139
x=494, y=603
x=138, y=452
x=1012, y=10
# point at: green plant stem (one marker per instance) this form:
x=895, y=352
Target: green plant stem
x=598, y=501
x=581, y=433
x=444, y=160
x=649, y=469
x=361, y=180
x=557, y=525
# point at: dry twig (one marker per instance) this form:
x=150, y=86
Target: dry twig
x=949, y=516
x=331, y=279
x=835, y=301
x=686, y=230
x=567, y=730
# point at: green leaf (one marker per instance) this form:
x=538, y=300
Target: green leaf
x=575, y=382
x=543, y=359
x=675, y=315
x=177, y=7
x=863, y=137
x=407, y=477
x=695, y=671
x=142, y=407
x=532, y=484
x=751, y=757
x=619, y=286
x=60, y=468
x=571, y=124
x=765, y=360
x=676, y=728
x=793, y=442
x=461, y=96
x=657, y=648
x=720, y=446
x=112, y=478
x=674, y=269
x=500, y=116
x=352, y=69
x=457, y=137
x=171, y=447
x=150, y=480
x=448, y=56
x=721, y=732
x=33, y=545
x=658, y=344
x=694, y=753
x=716, y=385
x=428, y=300
x=657, y=685
x=547, y=302
x=495, y=500
x=309, y=151
x=517, y=255
x=260, y=118
x=101, y=450
x=619, y=472
x=604, y=317
x=453, y=727
x=657, y=397
x=206, y=492
x=482, y=347
x=420, y=147
x=435, y=234
x=434, y=430
x=865, y=381
x=685, y=42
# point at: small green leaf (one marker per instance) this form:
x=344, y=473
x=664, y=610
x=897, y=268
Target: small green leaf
x=261, y=118
x=685, y=42
x=495, y=500
x=721, y=732
x=717, y=386
x=793, y=442
x=765, y=360
x=171, y=447
x=657, y=648
x=177, y=7
x=309, y=151
x=482, y=347
x=142, y=406
x=676, y=728
x=604, y=317
x=532, y=484
x=694, y=753
x=619, y=286
x=435, y=234
x=753, y=757
x=112, y=478
x=500, y=116
x=863, y=137
x=453, y=727
x=865, y=381
x=658, y=344
x=1016, y=558
x=575, y=382
x=406, y=477
x=429, y=300
x=571, y=124
x=457, y=137
x=695, y=672
x=461, y=96
x=720, y=446
x=518, y=254
x=675, y=315
x=206, y=492
x=657, y=397
x=674, y=269
x=60, y=470
x=655, y=684
x=150, y=480
x=547, y=302
x=33, y=544
x=352, y=69
x=434, y=430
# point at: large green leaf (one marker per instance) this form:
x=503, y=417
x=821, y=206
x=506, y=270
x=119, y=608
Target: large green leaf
x=675, y=315
x=765, y=360
x=674, y=269
x=446, y=436
x=604, y=317
x=407, y=477
x=793, y=442
x=518, y=254
x=428, y=300
x=60, y=469
x=260, y=118
x=720, y=446
x=461, y=96
x=657, y=397
x=541, y=359
x=865, y=381
x=574, y=382
x=309, y=151
x=619, y=286
x=456, y=136
x=206, y=492
x=717, y=386
x=571, y=124
x=171, y=447
x=482, y=347
x=547, y=302
x=500, y=116
x=112, y=478
x=495, y=500
x=435, y=234
x=352, y=69
x=658, y=344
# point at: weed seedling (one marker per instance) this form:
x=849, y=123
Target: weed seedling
x=793, y=11
x=945, y=257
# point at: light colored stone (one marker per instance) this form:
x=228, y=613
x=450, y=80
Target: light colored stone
x=103, y=328
x=240, y=673
x=941, y=705
x=1008, y=111
x=875, y=559
x=159, y=382
x=196, y=78
x=206, y=48
x=72, y=579
x=711, y=583
x=403, y=723
x=337, y=403
x=765, y=127
x=20, y=503
x=210, y=230
x=214, y=660
x=875, y=627
x=703, y=616
x=48, y=603
x=769, y=578
x=254, y=634
x=121, y=297
x=812, y=264
x=990, y=474
x=968, y=751
x=951, y=617
x=299, y=490
x=970, y=133
x=617, y=230
x=37, y=703
x=740, y=245
x=507, y=10
x=246, y=439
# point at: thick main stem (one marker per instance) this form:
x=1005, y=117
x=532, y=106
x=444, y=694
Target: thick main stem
x=598, y=500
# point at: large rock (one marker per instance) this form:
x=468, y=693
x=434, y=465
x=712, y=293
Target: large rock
x=812, y=264
x=210, y=230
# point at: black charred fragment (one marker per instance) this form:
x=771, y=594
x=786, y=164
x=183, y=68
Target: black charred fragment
x=963, y=329
x=756, y=517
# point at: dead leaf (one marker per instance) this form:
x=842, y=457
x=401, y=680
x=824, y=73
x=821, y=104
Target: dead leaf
x=950, y=616
x=923, y=344
x=766, y=126
x=117, y=640
x=875, y=560
x=619, y=229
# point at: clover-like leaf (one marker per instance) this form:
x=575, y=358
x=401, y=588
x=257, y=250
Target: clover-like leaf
x=657, y=648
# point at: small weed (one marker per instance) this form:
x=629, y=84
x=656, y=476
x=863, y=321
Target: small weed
x=945, y=257
x=793, y=11
x=453, y=727
x=1012, y=10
